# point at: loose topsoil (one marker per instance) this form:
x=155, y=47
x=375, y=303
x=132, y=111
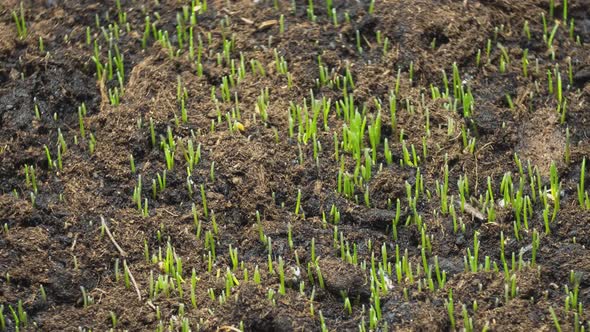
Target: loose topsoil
x=54, y=247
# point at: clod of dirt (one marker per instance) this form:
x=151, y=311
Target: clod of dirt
x=342, y=278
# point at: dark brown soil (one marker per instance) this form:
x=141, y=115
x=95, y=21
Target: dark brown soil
x=55, y=241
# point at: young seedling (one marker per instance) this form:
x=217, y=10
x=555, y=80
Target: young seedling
x=2, y=319
x=132, y=163
x=204, y=201
x=281, y=271
x=552, y=37
x=81, y=114
x=527, y=30
x=582, y=194
x=451, y=309
x=298, y=202
x=41, y=45
x=19, y=20
x=555, y=319
x=555, y=190
x=48, y=155
x=91, y=143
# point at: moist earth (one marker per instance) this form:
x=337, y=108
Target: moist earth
x=77, y=254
